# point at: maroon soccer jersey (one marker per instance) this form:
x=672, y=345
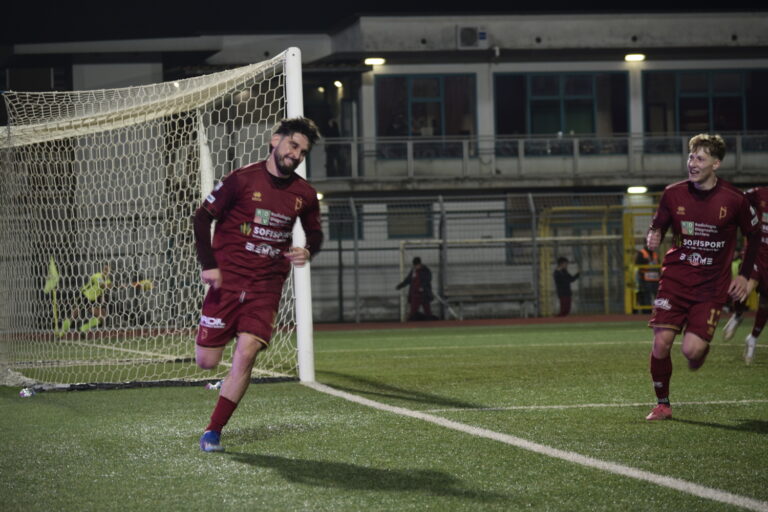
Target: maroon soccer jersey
x=758, y=198
x=255, y=213
x=704, y=225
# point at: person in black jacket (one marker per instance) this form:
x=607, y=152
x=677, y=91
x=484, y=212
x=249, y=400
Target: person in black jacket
x=419, y=280
x=563, y=282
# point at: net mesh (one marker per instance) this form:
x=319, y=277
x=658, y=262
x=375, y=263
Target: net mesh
x=98, y=273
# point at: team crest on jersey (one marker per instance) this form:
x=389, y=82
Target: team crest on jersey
x=681, y=210
x=723, y=211
x=687, y=227
x=256, y=196
x=299, y=203
x=262, y=216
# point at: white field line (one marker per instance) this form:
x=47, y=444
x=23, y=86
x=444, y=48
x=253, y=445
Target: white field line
x=405, y=348
x=617, y=469
x=472, y=347
x=580, y=406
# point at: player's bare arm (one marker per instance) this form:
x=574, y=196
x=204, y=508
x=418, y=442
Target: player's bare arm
x=212, y=277
x=298, y=256
x=653, y=239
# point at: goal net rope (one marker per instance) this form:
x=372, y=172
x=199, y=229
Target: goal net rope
x=99, y=279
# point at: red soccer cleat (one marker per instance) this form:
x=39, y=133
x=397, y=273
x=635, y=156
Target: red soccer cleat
x=660, y=412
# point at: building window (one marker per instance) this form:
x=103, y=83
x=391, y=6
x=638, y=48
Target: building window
x=564, y=103
x=425, y=105
x=409, y=220
x=702, y=101
x=341, y=222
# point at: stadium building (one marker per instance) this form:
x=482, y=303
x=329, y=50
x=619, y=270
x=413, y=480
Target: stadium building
x=479, y=130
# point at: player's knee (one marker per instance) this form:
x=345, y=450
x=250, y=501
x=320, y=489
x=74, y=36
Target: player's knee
x=249, y=345
x=694, y=352
x=207, y=359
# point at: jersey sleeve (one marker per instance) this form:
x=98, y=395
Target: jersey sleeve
x=662, y=218
x=749, y=225
x=223, y=195
x=310, y=221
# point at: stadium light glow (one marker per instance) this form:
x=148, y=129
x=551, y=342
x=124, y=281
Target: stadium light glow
x=637, y=190
x=374, y=61
x=338, y=84
x=634, y=57
x=320, y=196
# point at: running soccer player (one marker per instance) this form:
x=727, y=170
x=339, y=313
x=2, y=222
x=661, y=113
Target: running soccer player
x=758, y=198
x=704, y=213
x=255, y=208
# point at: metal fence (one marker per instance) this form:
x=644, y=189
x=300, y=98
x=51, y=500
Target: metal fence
x=490, y=256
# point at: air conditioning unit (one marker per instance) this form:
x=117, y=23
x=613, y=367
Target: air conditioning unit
x=471, y=37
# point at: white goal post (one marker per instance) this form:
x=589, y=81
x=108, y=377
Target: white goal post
x=99, y=281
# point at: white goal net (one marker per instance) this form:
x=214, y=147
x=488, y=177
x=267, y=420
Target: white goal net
x=99, y=281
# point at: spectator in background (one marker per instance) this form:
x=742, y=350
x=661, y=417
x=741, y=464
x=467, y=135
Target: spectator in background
x=647, y=278
x=419, y=281
x=563, y=281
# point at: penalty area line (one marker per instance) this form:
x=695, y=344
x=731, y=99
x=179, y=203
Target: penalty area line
x=576, y=458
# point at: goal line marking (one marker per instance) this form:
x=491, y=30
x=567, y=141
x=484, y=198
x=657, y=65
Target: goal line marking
x=579, y=406
x=611, y=467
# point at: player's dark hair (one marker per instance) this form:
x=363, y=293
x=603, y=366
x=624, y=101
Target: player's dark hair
x=712, y=144
x=417, y=261
x=302, y=125
x=561, y=260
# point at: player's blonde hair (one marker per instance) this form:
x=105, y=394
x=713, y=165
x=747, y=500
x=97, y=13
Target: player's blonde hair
x=712, y=144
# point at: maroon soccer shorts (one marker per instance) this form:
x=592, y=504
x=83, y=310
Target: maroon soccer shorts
x=676, y=313
x=226, y=313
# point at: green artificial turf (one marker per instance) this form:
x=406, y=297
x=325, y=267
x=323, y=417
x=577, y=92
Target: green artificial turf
x=580, y=388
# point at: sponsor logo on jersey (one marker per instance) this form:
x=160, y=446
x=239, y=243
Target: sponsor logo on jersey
x=662, y=303
x=210, y=198
x=261, y=216
x=697, y=260
x=687, y=227
x=765, y=217
x=212, y=323
x=270, y=235
x=704, y=244
x=256, y=196
x=245, y=228
x=263, y=249
x=218, y=186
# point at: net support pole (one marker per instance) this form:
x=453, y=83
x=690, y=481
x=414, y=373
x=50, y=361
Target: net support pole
x=301, y=275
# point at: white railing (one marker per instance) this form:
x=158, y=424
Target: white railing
x=558, y=157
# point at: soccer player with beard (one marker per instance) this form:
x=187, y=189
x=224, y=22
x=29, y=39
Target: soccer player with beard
x=255, y=208
x=704, y=213
x=758, y=197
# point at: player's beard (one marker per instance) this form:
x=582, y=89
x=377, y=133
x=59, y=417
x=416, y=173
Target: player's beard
x=285, y=165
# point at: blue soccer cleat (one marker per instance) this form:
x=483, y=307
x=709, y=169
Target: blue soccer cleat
x=210, y=441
